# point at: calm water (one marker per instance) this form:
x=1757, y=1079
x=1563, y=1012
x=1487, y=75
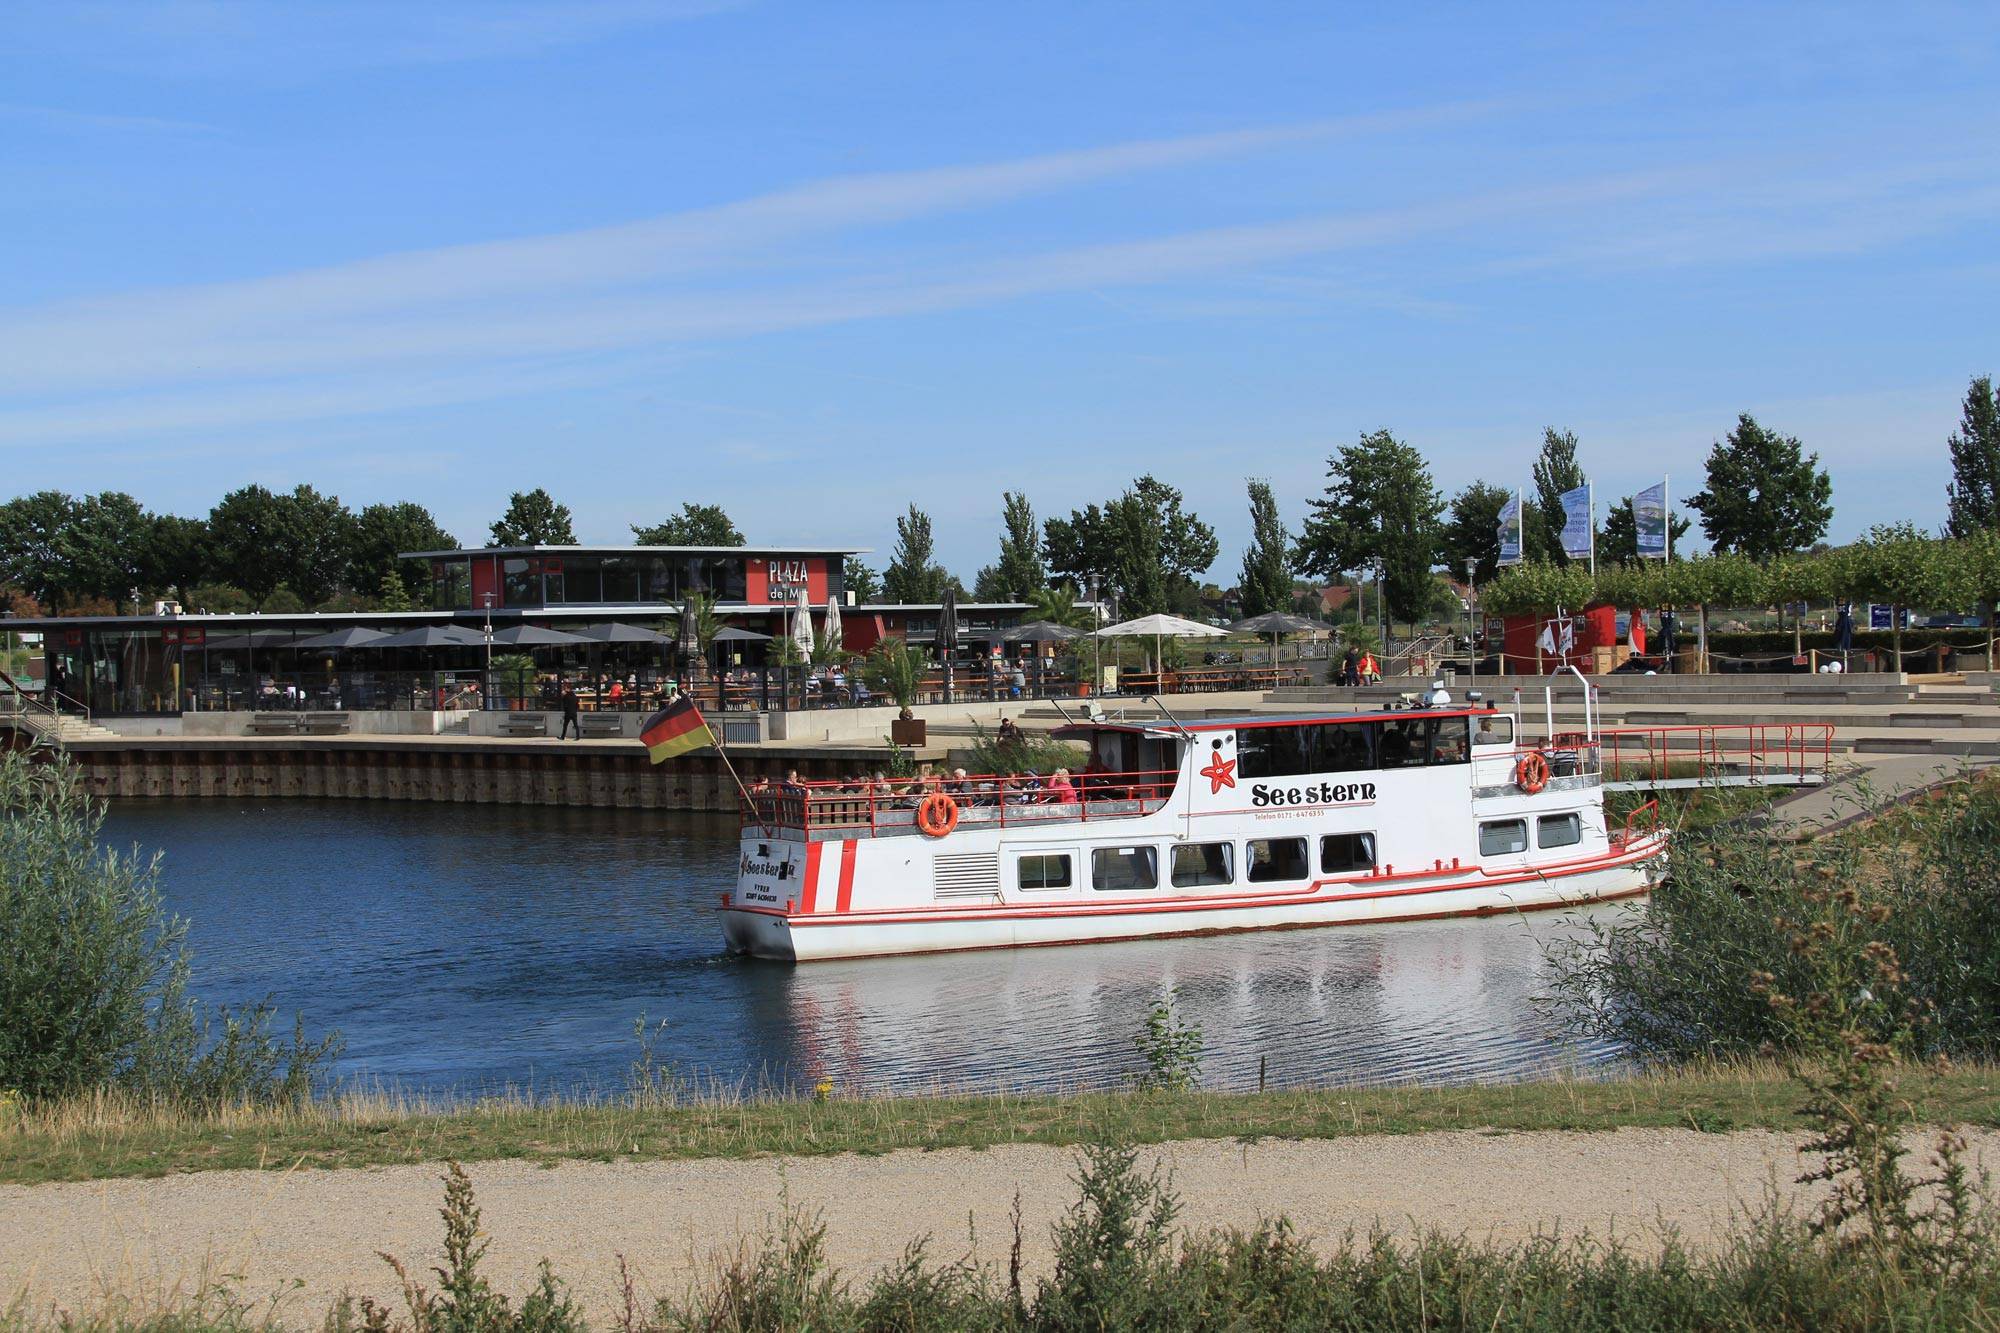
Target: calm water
x=474, y=947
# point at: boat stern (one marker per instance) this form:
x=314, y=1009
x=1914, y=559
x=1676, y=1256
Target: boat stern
x=772, y=875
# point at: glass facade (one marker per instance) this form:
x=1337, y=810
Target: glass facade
x=585, y=580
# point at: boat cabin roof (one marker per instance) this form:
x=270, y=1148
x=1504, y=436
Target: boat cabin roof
x=1164, y=730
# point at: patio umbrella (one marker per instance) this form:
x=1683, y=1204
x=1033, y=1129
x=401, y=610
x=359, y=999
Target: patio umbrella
x=1160, y=626
x=947, y=635
x=534, y=636
x=1275, y=623
x=615, y=632
x=432, y=636
x=731, y=634
x=801, y=628
x=831, y=632
x=1041, y=631
x=261, y=638
x=354, y=636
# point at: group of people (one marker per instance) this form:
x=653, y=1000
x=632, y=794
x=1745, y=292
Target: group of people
x=1018, y=787
x=1358, y=668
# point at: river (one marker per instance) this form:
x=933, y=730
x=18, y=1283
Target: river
x=473, y=949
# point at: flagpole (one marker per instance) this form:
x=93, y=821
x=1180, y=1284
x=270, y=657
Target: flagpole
x=715, y=739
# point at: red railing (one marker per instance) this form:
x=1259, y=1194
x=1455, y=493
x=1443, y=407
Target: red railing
x=987, y=800
x=1641, y=822
x=1692, y=750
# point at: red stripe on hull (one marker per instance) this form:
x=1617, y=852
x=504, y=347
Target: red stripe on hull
x=809, y=891
x=844, y=901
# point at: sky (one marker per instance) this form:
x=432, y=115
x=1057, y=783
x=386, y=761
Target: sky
x=815, y=262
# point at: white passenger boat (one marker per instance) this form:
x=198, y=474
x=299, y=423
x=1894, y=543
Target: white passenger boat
x=1250, y=823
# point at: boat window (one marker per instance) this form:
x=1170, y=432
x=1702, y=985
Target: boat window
x=1124, y=868
x=1346, y=851
x=1494, y=729
x=1197, y=863
x=1449, y=740
x=1503, y=836
x=1558, y=831
x=1403, y=743
x=1042, y=870
x=1267, y=860
x=1282, y=752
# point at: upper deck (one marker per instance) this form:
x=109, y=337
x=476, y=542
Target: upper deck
x=1217, y=766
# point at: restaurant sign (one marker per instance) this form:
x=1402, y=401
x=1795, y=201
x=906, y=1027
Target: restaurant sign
x=785, y=579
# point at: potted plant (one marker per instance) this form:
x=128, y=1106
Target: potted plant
x=897, y=670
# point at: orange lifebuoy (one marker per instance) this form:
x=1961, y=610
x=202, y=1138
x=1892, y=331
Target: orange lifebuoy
x=1532, y=773
x=937, y=815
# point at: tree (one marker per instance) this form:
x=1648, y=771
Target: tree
x=1898, y=564
x=1380, y=507
x=1144, y=546
x=106, y=546
x=1266, y=584
x=312, y=543
x=243, y=530
x=1974, y=494
x=179, y=555
x=380, y=532
x=1058, y=606
x=695, y=525
x=1020, y=570
x=913, y=575
x=1618, y=539
x=1473, y=531
x=34, y=547
x=1765, y=496
x=860, y=580
x=1556, y=473
x=533, y=518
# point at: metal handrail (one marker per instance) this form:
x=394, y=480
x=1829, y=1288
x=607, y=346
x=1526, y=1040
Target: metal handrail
x=25, y=704
x=985, y=798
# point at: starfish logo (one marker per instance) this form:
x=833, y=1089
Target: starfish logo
x=1220, y=773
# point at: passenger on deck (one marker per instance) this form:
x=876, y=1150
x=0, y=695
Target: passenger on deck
x=1061, y=790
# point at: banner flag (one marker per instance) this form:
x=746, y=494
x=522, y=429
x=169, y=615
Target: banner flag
x=1576, y=522
x=1649, y=517
x=675, y=729
x=1510, y=531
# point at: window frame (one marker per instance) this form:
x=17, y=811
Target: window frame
x=1129, y=851
x=1520, y=822
x=1069, y=871
x=1573, y=817
x=1250, y=875
x=1228, y=866
x=1366, y=838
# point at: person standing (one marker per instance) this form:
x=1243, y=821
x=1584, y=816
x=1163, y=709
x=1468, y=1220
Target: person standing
x=572, y=713
x=1350, y=667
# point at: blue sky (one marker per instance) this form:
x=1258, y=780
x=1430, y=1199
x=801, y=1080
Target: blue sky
x=813, y=262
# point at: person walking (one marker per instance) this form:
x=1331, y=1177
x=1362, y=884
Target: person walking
x=572, y=713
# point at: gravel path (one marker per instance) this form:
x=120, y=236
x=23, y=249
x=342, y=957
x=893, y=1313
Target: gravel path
x=62, y=1243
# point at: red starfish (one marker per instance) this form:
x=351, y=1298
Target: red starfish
x=1220, y=773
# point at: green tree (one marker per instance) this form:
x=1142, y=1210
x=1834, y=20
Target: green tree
x=533, y=518
x=35, y=534
x=1556, y=472
x=1058, y=606
x=179, y=556
x=1765, y=495
x=1907, y=568
x=106, y=546
x=1380, y=507
x=1974, y=494
x=860, y=580
x=1144, y=546
x=1019, y=571
x=695, y=525
x=380, y=532
x=243, y=530
x=312, y=543
x=1618, y=539
x=913, y=574
x=1473, y=531
x=1266, y=584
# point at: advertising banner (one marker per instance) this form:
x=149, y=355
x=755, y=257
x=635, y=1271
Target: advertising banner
x=1649, y=516
x=1576, y=522
x=1510, y=531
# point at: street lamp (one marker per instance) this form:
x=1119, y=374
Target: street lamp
x=1471, y=616
x=486, y=600
x=1096, y=644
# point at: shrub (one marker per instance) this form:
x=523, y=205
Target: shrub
x=1171, y=1049
x=94, y=973
x=1030, y=754
x=1670, y=979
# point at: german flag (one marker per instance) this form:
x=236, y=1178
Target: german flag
x=675, y=729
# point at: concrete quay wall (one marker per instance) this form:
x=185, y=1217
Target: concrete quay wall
x=601, y=775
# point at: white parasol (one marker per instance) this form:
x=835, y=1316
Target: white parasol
x=1158, y=627
x=831, y=633
x=802, y=627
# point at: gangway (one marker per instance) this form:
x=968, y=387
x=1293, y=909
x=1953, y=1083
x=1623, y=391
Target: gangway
x=1716, y=754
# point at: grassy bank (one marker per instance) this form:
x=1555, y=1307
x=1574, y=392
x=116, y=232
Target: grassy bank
x=110, y=1136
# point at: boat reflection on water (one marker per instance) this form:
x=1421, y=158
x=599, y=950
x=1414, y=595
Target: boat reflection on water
x=1442, y=1001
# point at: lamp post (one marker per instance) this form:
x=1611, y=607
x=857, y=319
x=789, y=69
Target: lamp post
x=1471, y=615
x=1096, y=644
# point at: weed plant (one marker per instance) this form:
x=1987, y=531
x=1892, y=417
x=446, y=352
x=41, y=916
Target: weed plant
x=1170, y=1047
x=1671, y=979
x=1030, y=754
x=94, y=972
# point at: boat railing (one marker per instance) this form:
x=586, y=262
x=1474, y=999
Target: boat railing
x=1641, y=822
x=1693, y=753
x=888, y=807
x=1569, y=754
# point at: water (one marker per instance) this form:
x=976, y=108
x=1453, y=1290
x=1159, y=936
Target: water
x=475, y=948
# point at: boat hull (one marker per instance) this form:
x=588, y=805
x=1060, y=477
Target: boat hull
x=778, y=934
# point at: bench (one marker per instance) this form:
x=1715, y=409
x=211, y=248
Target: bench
x=601, y=724
x=324, y=724
x=525, y=724
x=274, y=724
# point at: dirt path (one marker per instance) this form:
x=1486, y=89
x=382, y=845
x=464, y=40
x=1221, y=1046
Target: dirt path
x=64, y=1242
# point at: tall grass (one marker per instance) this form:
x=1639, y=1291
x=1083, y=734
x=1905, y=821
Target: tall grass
x=94, y=972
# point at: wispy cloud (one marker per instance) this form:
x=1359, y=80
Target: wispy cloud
x=70, y=120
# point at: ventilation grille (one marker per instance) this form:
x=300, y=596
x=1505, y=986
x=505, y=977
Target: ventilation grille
x=973, y=876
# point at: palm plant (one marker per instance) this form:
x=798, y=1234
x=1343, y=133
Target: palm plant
x=1058, y=606
x=896, y=669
